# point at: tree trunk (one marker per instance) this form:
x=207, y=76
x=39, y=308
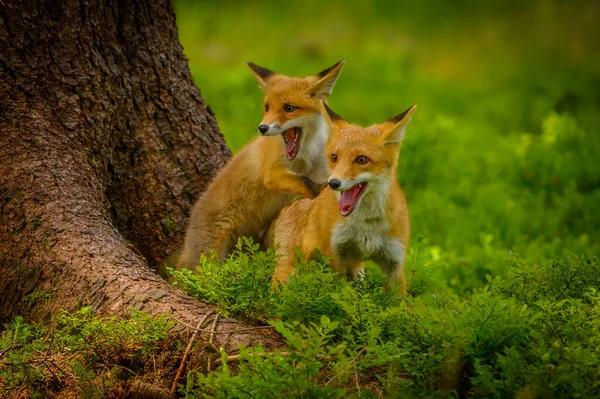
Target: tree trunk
x=105, y=143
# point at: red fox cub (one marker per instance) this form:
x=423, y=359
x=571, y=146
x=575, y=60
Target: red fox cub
x=364, y=215
x=250, y=191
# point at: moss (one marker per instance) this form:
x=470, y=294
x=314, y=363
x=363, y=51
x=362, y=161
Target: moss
x=168, y=224
x=38, y=295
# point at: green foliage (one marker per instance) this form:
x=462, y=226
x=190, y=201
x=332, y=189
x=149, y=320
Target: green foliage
x=110, y=338
x=80, y=351
x=309, y=294
x=274, y=375
x=240, y=284
x=531, y=332
x=562, y=355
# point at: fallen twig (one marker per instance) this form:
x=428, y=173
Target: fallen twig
x=350, y=362
x=6, y=363
x=52, y=372
x=187, y=351
x=10, y=347
x=357, y=355
x=210, y=340
x=239, y=330
x=214, y=328
x=234, y=358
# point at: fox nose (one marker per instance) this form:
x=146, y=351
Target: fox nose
x=335, y=184
x=263, y=128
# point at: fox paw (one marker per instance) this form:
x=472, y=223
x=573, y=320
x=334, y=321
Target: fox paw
x=314, y=188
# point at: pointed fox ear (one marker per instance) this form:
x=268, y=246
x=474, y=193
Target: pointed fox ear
x=262, y=74
x=325, y=80
x=393, y=129
x=330, y=118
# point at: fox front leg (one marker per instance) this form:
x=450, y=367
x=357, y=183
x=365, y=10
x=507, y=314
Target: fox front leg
x=289, y=182
x=348, y=268
x=397, y=276
x=391, y=261
x=356, y=271
x=285, y=268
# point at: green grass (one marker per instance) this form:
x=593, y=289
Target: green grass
x=533, y=332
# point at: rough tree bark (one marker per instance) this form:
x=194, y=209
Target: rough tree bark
x=105, y=143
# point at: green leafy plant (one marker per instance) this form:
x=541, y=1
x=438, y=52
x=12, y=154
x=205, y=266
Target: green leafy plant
x=240, y=285
x=78, y=353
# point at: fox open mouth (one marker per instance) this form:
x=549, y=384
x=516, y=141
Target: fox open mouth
x=350, y=197
x=292, y=145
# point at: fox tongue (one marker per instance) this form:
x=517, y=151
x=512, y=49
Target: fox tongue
x=348, y=197
x=290, y=137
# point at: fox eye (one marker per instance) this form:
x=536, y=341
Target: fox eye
x=361, y=160
x=289, y=108
x=333, y=158
x=266, y=107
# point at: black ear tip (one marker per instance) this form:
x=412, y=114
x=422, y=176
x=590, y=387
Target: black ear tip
x=324, y=72
x=399, y=117
x=332, y=115
x=260, y=71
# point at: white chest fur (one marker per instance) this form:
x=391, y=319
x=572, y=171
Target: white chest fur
x=359, y=239
x=365, y=235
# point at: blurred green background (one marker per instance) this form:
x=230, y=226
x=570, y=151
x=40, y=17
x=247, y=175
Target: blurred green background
x=501, y=158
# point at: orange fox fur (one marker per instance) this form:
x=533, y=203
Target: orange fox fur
x=375, y=227
x=250, y=191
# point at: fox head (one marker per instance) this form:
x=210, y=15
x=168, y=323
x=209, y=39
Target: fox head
x=362, y=160
x=291, y=105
